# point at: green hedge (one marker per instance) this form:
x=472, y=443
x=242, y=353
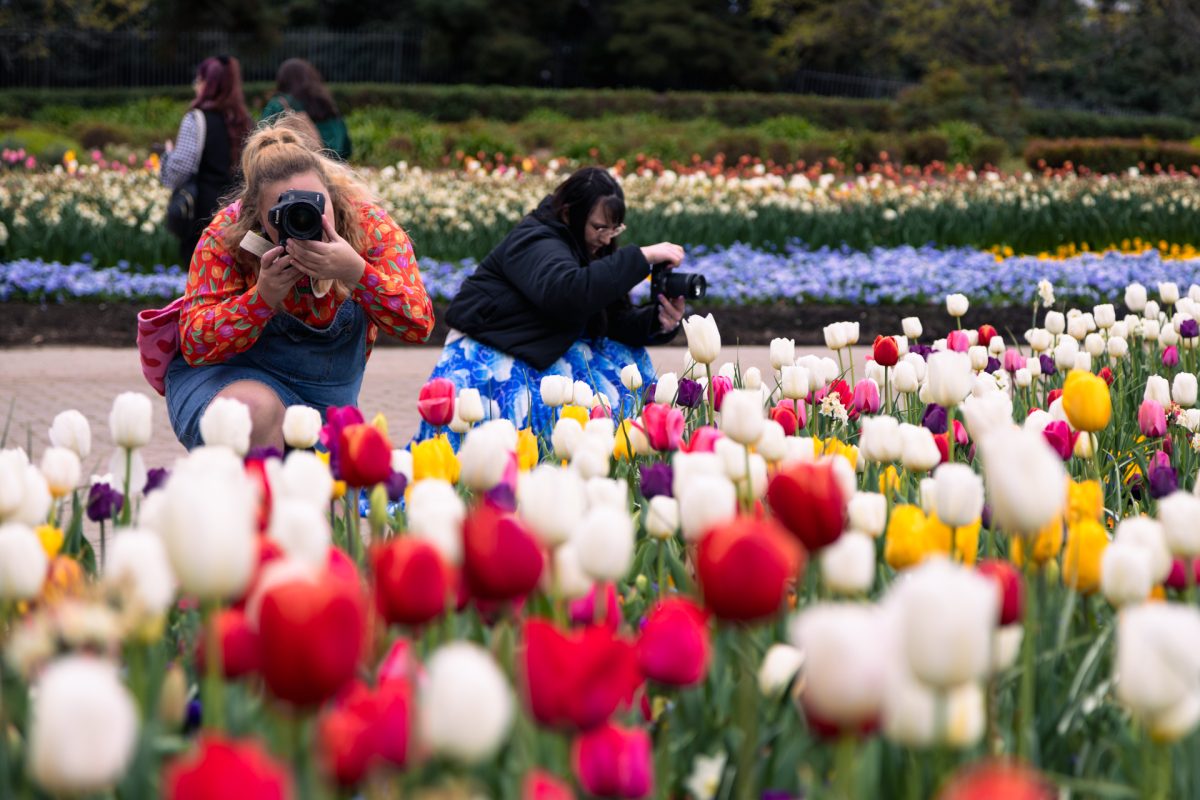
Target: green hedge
x=1110, y=155
x=1073, y=124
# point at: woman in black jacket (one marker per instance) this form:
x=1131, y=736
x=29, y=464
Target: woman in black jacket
x=553, y=299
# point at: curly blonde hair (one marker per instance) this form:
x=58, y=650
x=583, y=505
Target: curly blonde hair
x=279, y=150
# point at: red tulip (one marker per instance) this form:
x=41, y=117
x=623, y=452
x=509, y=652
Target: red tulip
x=412, y=581
x=991, y=781
x=400, y=662
x=312, y=632
x=1054, y=395
x=363, y=728
x=576, y=679
x=501, y=559
x=744, y=568
x=673, y=647
x=1061, y=438
x=720, y=387
x=256, y=471
x=808, y=500
x=435, y=402
x=1107, y=374
x=886, y=351
x=986, y=332
x=786, y=415
x=663, y=426
x=221, y=767
x=239, y=645
x=364, y=455
x=539, y=785
x=1012, y=589
x=614, y=762
x=704, y=440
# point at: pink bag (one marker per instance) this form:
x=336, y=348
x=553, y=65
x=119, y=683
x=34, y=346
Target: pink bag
x=158, y=342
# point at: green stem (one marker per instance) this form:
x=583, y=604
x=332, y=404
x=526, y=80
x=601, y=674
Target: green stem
x=844, y=774
x=214, y=681
x=747, y=720
x=352, y=535
x=127, y=506
x=661, y=567
x=710, y=396
x=1026, y=731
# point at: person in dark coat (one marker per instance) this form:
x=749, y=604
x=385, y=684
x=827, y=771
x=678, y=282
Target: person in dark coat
x=553, y=299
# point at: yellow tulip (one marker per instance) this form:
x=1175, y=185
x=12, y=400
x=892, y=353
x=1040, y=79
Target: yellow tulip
x=623, y=441
x=380, y=423
x=577, y=413
x=965, y=539
x=1086, y=543
x=1085, y=500
x=1086, y=401
x=51, y=539
x=889, y=481
x=527, y=450
x=434, y=458
x=907, y=542
x=1046, y=544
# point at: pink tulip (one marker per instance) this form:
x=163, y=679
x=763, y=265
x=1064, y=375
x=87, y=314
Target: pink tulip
x=1061, y=438
x=704, y=440
x=1013, y=360
x=721, y=387
x=614, y=762
x=866, y=397
x=1170, y=356
x=958, y=341
x=1152, y=419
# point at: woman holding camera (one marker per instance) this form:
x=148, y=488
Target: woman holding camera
x=553, y=299
x=296, y=324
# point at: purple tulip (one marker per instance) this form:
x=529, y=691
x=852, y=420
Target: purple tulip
x=1189, y=329
x=263, y=453
x=1163, y=482
x=656, y=480
x=923, y=350
x=104, y=502
x=396, y=484
x=689, y=393
x=934, y=418
x=1048, y=367
x=992, y=365
x=155, y=478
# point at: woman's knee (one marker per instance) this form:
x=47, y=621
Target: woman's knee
x=266, y=409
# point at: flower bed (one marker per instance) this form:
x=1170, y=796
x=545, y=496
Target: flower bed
x=962, y=568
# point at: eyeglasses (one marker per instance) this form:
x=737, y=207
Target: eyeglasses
x=608, y=231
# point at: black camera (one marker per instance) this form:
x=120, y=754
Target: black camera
x=668, y=282
x=298, y=215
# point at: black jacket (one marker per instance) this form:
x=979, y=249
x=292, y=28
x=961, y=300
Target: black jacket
x=535, y=295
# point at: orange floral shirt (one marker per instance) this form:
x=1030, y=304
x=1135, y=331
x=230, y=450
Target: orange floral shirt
x=223, y=315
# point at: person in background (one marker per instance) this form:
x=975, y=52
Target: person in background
x=209, y=143
x=300, y=90
x=553, y=299
x=296, y=325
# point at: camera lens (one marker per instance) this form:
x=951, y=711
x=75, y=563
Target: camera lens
x=303, y=221
x=697, y=286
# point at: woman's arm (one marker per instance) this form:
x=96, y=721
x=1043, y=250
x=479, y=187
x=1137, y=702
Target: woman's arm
x=391, y=290
x=184, y=160
x=222, y=313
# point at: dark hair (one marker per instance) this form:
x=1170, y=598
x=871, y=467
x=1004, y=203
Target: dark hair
x=300, y=79
x=222, y=76
x=578, y=195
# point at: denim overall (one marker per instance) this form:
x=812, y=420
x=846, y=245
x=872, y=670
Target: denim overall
x=303, y=365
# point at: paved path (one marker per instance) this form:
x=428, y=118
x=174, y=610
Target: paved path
x=40, y=382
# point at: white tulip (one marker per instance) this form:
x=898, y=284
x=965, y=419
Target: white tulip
x=845, y=661
x=1095, y=345
x=867, y=513
x=226, y=423
x=1183, y=389
x=734, y=457
x=686, y=466
x=782, y=353
x=465, y=706
x=1055, y=322
x=911, y=327
x=920, y=450
x=1083, y=361
x=1120, y=329
x=457, y=423
x=71, y=430
x=301, y=427
x=1135, y=297
x=915, y=716
x=1026, y=482
x=772, y=445
x=23, y=562
x=917, y=363
x=927, y=493
x=1065, y=352
x=706, y=500
x=1179, y=514
x=978, y=356
x=1126, y=574
x=1147, y=533
x=795, y=382
x=1158, y=390
x=983, y=415
x=946, y=616
x=1191, y=419
x=604, y=543
x=876, y=373
x=131, y=419
x=436, y=514
x=1157, y=666
x=851, y=329
x=779, y=666
x=752, y=378
x=1167, y=337
x=1006, y=646
x=570, y=581
x=728, y=370
x=1077, y=329
x=1152, y=311
x=948, y=378
x=958, y=495
x=302, y=531
x=606, y=493
x=957, y=305
x=402, y=463
x=1169, y=293
x=61, y=469
x=1023, y=379
x=556, y=390
x=758, y=476
x=83, y=726
x=662, y=517
x=1117, y=347
x=848, y=565
x=565, y=438
x=1040, y=340
x=468, y=406
x=138, y=560
x=1105, y=315
x=880, y=441
x=631, y=377
x=305, y=477
x=1150, y=330
x=799, y=451
x=996, y=347
x=1085, y=446
x=551, y=501
x=904, y=378
x=835, y=336
x=666, y=388
x=703, y=338
x=742, y=416
x=483, y=456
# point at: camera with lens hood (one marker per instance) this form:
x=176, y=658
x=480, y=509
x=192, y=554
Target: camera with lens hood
x=671, y=283
x=298, y=215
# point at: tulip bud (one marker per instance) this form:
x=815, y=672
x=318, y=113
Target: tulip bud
x=705, y=501
x=920, y=451
x=1085, y=446
x=1135, y=297
x=911, y=327
x=979, y=358
x=1105, y=315
x=867, y=512
x=779, y=666
x=1077, y=329
x=1055, y=322
x=1117, y=347
x=795, y=382
x=469, y=406
x=1183, y=389
x=1156, y=668
x=904, y=378
x=752, y=378
x=848, y=565
x=1150, y=330
x=1065, y=352
x=880, y=441
x=1095, y=345
x=1026, y=483
x=226, y=423
x=301, y=427
x=138, y=561
x=466, y=705
x=1158, y=390
x=666, y=388
x=22, y=562
x=130, y=420
x=62, y=469
x=839, y=640
x=959, y=495
x=1040, y=340
x=1168, y=292
x=742, y=416
x=71, y=430
x=782, y=353
x=662, y=517
x=1023, y=378
x=948, y=378
x=835, y=336
x=556, y=390
x=957, y=305
x=703, y=337
x=631, y=377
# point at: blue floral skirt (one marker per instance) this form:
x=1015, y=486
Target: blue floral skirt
x=512, y=388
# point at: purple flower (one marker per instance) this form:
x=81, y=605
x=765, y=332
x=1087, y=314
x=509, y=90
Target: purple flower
x=923, y=350
x=396, y=484
x=104, y=502
x=262, y=454
x=155, y=478
x=689, y=393
x=502, y=497
x=1189, y=329
x=1162, y=482
x=1047, y=364
x=934, y=418
x=656, y=480
x=992, y=365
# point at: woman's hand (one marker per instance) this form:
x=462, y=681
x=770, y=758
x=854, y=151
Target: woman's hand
x=670, y=312
x=333, y=259
x=276, y=276
x=663, y=251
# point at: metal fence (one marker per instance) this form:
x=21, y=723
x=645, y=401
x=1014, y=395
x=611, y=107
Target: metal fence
x=88, y=59
x=835, y=84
